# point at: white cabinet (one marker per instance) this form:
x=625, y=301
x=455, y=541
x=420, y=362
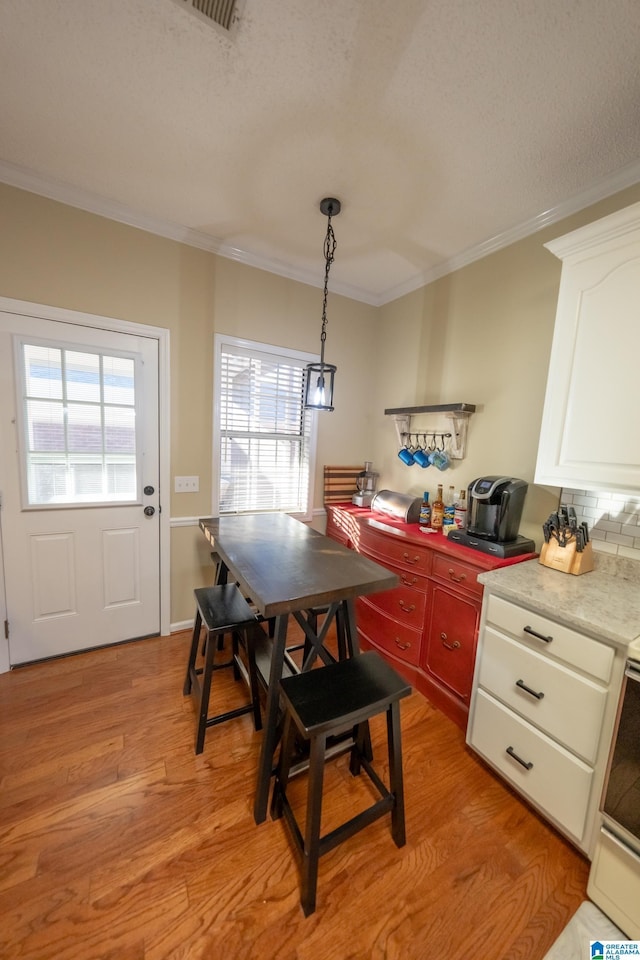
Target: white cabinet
x=542, y=712
x=587, y=439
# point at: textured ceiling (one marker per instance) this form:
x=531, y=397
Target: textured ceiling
x=445, y=127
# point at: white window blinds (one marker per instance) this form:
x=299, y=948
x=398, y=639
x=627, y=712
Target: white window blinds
x=264, y=431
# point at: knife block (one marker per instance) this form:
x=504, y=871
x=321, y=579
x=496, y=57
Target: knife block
x=567, y=559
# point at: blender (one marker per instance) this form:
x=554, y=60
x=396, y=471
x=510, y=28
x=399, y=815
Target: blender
x=366, y=486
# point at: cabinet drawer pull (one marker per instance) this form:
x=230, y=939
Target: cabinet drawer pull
x=405, y=556
x=401, y=646
x=409, y=582
x=526, y=764
x=449, y=646
x=523, y=686
x=539, y=636
x=409, y=608
x=455, y=579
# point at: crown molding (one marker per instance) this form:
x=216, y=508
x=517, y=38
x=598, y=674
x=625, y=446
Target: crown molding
x=25, y=179
x=626, y=177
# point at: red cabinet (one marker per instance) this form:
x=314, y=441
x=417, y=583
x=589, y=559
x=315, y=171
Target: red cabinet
x=450, y=645
x=428, y=626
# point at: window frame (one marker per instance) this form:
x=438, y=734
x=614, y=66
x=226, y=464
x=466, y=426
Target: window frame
x=19, y=344
x=299, y=358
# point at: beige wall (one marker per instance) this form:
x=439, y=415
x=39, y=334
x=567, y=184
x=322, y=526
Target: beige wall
x=480, y=335
x=57, y=255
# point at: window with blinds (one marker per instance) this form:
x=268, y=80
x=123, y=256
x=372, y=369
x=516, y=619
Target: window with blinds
x=265, y=437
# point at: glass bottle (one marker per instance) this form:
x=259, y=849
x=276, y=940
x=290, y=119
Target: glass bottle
x=460, y=513
x=425, y=511
x=437, y=510
x=450, y=506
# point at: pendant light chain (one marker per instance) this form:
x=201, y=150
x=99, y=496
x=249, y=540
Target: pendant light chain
x=329, y=251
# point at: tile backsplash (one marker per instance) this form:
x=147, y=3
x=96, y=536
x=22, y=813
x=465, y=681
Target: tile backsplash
x=613, y=518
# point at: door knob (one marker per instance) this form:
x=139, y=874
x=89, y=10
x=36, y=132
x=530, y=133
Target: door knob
x=148, y=491
x=149, y=511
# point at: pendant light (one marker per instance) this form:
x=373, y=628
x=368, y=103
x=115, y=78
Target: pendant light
x=319, y=392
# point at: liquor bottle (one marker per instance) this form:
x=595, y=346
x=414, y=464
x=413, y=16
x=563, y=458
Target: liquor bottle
x=437, y=510
x=449, y=507
x=425, y=511
x=460, y=513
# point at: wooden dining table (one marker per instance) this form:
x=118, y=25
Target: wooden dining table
x=286, y=568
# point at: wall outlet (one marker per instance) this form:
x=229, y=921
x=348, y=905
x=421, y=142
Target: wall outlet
x=186, y=484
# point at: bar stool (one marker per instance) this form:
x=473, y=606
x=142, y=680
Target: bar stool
x=220, y=610
x=323, y=703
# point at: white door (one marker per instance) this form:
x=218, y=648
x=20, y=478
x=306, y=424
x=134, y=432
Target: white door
x=79, y=480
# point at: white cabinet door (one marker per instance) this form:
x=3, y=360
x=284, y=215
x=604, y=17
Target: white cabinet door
x=588, y=438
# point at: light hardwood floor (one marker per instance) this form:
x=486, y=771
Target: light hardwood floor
x=116, y=841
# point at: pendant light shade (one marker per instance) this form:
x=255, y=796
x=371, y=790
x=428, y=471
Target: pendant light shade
x=320, y=376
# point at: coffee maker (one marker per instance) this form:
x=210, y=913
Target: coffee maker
x=494, y=513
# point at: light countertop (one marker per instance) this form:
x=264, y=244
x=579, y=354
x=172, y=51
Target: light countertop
x=604, y=603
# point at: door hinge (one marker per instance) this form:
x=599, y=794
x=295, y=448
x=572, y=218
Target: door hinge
x=6, y=629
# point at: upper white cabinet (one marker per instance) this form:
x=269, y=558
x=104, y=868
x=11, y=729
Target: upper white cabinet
x=589, y=437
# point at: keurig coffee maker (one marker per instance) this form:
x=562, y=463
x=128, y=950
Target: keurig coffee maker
x=494, y=514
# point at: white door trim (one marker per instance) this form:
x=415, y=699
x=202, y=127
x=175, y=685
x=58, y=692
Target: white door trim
x=62, y=315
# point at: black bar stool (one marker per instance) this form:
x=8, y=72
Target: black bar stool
x=219, y=610
x=323, y=703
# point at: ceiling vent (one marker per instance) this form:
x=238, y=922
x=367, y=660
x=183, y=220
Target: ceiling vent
x=222, y=14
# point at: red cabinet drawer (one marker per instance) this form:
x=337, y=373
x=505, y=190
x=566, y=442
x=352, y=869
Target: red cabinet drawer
x=394, y=551
x=408, y=578
x=387, y=634
x=404, y=604
x=451, y=640
x=456, y=572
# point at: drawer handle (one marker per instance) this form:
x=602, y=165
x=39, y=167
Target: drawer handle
x=455, y=579
x=409, y=608
x=409, y=582
x=401, y=646
x=405, y=556
x=526, y=764
x=449, y=646
x=523, y=686
x=538, y=635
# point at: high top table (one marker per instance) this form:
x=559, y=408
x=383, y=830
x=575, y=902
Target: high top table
x=285, y=567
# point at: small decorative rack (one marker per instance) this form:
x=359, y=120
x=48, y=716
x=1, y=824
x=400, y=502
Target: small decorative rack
x=457, y=413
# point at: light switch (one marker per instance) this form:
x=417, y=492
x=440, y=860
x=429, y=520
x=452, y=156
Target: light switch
x=186, y=484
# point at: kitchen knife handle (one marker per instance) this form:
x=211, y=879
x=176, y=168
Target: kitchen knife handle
x=523, y=686
x=538, y=636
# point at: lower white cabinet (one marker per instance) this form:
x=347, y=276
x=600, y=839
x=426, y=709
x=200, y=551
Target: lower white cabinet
x=547, y=694
x=550, y=776
x=542, y=713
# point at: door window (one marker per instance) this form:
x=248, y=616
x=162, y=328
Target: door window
x=78, y=425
